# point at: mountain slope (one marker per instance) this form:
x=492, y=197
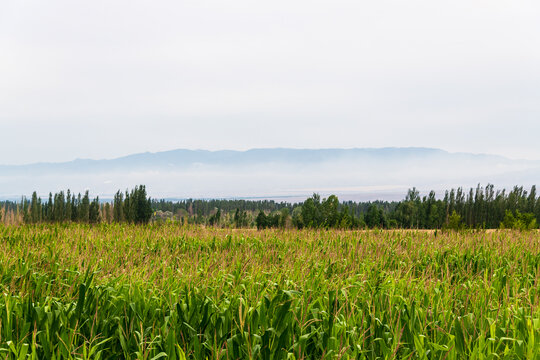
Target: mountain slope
x=385, y=172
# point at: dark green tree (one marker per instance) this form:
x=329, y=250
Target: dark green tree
x=93, y=211
x=143, y=205
x=35, y=208
x=68, y=208
x=84, y=213
x=260, y=220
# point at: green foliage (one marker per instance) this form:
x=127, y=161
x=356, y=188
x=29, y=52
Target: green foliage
x=118, y=207
x=142, y=204
x=134, y=207
x=283, y=217
x=315, y=213
x=454, y=221
x=93, y=211
x=84, y=212
x=297, y=219
x=149, y=292
x=375, y=217
x=215, y=219
x=261, y=221
x=241, y=219
x=479, y=208
x=519, y=221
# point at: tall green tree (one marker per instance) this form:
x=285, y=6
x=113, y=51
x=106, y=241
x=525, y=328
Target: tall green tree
x=68, y=208
x=35, y=208
x=84, y=213
x=93, y=211
x=143, y=205
x=118, y=207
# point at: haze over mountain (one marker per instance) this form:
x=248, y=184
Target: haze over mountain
x=280, y=173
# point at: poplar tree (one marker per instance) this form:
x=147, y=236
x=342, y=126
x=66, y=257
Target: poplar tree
x=67, y=215
x=93, y=211
x=84, y=206
x=35, y=208
x=118, y=207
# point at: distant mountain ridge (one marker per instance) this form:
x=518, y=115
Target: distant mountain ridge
x=271, y=172
x=185, y=157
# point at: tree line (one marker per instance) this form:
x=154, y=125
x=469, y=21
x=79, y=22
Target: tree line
x=480, y=207
x=132, y=206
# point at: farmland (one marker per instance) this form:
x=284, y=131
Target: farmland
x=112, y=291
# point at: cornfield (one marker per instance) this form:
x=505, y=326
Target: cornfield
x=171, y=292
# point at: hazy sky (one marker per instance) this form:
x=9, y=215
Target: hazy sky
x=101, y=79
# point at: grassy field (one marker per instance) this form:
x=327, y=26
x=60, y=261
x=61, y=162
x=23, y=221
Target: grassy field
x=118, y=291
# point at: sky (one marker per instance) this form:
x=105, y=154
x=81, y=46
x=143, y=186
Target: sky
x=102, y=79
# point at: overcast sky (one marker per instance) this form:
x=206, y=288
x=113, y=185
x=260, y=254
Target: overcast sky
x=101, y=79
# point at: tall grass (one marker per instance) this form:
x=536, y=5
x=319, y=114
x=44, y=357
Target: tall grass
x=118, y=291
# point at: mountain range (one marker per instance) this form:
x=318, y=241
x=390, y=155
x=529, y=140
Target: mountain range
x=280, y=173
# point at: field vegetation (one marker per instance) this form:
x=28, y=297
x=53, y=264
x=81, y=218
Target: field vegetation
x=119, y=291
